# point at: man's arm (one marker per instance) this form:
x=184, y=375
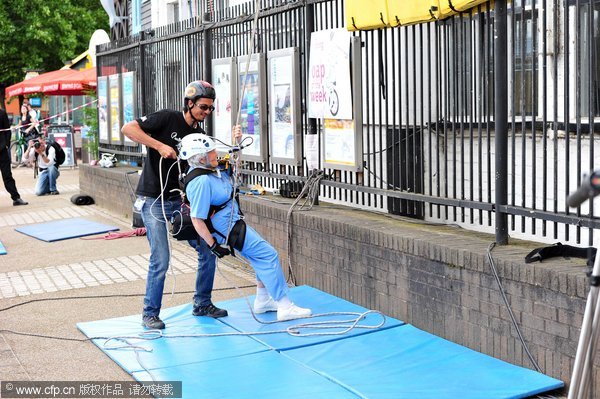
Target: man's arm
x=134, y=132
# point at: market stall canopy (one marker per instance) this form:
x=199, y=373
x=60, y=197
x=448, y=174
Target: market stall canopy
x=62, y=82
x=76, y=83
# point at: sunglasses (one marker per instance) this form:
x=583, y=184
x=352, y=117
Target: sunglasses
x=205, y=107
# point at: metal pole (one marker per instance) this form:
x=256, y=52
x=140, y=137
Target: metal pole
x=501, y=119
x=207, y=60
x=309, y=18
x=142, y=74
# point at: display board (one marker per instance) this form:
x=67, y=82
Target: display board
x=128, y=98
x=114, y=101
x=285, y=139
x=329, y=85
x=342, y=139
x=224, y=81
x=103, y=133
x=253, y=115
x=63, y=135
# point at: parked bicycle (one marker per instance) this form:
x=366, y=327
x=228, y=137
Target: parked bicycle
x=18, y=148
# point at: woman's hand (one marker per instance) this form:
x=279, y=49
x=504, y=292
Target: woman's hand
x=236, y=132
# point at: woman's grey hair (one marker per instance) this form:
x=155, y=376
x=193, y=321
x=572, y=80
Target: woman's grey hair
x=198, y=161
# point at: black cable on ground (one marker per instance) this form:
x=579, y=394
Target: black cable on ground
x=510, y=312
x=109, y=296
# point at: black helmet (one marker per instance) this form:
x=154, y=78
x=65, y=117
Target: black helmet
x=199, y=89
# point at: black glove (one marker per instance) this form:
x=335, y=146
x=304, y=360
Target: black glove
x=219, y=251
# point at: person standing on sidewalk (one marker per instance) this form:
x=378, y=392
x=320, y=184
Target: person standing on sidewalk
x=5, y=169
x=161, y=132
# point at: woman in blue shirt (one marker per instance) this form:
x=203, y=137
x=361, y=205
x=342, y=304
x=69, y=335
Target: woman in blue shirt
x=214, y=188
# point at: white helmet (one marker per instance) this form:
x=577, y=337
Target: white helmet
x=195, y=143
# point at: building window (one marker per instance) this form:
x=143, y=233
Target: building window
x=136, y=16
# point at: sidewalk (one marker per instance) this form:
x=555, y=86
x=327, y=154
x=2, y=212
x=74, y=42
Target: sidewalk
x=37, y=270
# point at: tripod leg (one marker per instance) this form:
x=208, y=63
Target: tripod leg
x=581, y=367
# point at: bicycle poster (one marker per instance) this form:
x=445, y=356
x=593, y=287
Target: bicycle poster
x=329, y=88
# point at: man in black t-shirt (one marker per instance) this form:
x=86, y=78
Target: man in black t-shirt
x=160, y=132
x=7, y=177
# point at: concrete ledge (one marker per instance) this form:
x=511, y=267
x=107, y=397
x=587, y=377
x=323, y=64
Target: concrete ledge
x=435, y=277
x=108, y=187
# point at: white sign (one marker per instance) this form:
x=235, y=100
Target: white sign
x=329, y=89
x=339, y=142
x=222, y=81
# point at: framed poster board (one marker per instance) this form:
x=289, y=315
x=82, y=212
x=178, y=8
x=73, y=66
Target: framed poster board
x=63, y=135
x=224, y=80
x=114, y=102
x=128, y=97
x=342, y=139
x=285, y=139
x=102, y=88
x=253, y=106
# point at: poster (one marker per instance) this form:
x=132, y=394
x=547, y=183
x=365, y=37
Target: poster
x=128, y=81
x=222, y=117
x=283, y=103
x=339, y=142
x=329, y=88
x=115, y=109
x=102, y=110
x=63, y=135
x=252, y=105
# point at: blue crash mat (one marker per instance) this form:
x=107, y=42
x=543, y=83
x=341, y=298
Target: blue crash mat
x=167, y=352
x=261, y=375
x=307, y=297
x=64, y=229
x=2, y=249
x=405, y=362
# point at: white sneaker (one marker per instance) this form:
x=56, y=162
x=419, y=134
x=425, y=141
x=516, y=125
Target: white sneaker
x=292, y=312
x=264, y=306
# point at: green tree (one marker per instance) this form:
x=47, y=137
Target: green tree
x=44, y=34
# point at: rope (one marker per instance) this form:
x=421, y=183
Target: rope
x=51, y=117
x=311, y=191
x=510, y=312
x=140, y=231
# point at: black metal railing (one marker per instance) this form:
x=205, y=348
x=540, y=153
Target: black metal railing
x=428, y=105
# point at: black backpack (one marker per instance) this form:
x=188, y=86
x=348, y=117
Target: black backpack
x=60, y=153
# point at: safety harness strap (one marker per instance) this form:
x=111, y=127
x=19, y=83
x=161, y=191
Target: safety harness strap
x=238, y=232
x=559, y=249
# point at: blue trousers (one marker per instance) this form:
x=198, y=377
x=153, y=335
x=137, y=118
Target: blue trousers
x=47, y=181
x=157, y=234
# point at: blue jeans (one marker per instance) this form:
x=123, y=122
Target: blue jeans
x=47, y=181
x=157, y=234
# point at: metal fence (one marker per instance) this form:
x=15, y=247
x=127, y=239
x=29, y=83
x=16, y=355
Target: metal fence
x=429, y=129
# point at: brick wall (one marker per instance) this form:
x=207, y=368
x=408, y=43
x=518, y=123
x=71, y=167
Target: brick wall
x=435, y=277
x=108, y=187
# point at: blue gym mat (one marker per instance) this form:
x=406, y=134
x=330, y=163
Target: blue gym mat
x=406, y=362
x=64, y=229
x=168, y=352
x=2, y=249
x=308, y=297
x=261, y=375
x=394, y=361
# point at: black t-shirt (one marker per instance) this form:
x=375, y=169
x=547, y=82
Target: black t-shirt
x=163, y=126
